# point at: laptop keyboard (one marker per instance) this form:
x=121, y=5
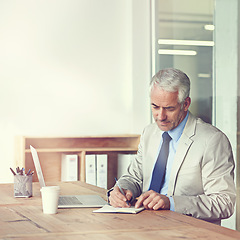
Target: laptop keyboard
x=68, y=200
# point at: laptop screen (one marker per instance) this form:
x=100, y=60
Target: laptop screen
x=37, y=166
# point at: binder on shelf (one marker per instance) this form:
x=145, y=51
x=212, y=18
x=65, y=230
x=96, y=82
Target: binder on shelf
x=102, y=170
x=91, y=173
x=69, y=167
x=123, y=162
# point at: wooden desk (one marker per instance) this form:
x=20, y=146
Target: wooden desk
x=23, y=219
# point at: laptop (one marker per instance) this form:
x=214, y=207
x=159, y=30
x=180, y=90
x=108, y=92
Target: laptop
x=68, y=201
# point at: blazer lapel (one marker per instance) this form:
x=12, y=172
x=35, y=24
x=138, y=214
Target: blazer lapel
x=184, y=144
x=151, y=155
x=154, y=143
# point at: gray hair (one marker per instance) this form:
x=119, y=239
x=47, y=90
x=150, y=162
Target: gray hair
x=172, y=80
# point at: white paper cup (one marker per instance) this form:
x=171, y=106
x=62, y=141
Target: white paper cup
x=50, y=196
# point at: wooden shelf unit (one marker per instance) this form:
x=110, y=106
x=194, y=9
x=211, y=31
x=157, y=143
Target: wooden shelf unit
x=50, y=150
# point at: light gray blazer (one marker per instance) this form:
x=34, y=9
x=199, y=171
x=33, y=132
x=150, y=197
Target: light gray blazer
x=202, y=176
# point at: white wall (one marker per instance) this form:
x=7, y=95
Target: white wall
x=226, y=75
x=72, y=68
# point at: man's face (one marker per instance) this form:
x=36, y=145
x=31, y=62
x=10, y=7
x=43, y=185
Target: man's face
x=166, y=109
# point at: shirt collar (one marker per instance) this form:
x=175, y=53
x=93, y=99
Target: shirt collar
x=176, y=133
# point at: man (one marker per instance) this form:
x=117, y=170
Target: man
x=199, y=176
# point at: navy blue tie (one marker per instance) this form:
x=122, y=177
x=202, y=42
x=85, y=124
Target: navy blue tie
x=159, y=170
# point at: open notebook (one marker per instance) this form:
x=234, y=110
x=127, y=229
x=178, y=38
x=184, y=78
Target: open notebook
x=68, y=201
x=111, y=209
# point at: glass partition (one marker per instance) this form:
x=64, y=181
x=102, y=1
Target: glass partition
x=183, y=39
x=201, y=38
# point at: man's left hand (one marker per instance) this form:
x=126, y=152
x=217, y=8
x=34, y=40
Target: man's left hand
x=153, y=201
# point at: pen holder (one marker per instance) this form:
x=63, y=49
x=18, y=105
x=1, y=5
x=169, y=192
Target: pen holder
x=22, y=185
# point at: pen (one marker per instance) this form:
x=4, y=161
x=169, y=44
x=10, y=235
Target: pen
x=121, y=190
x=12, y=171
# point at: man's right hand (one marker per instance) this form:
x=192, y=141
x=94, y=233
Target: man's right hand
x=117, y=199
